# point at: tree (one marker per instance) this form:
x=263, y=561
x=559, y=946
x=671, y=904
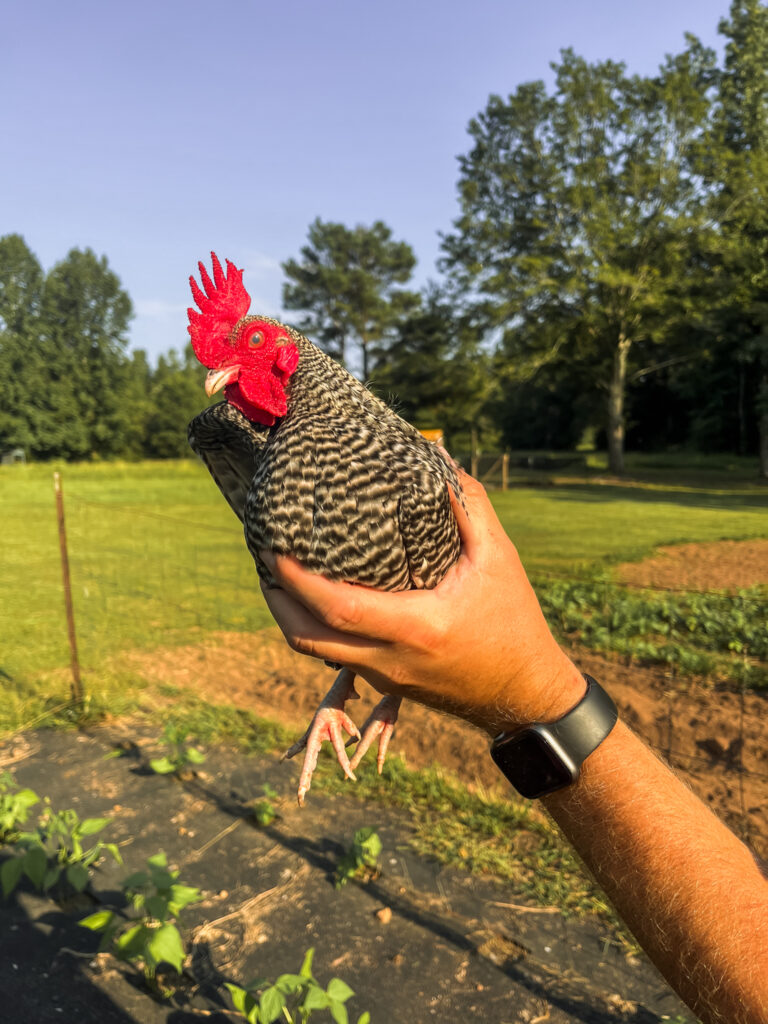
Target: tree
x=85, y=314
x=176, y=396
x=577, y=214
x=21, y=282
x=434, y=372
x=345, y=283
x=735, y=164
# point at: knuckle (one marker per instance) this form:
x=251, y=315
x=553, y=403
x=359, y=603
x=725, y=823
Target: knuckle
x=344, y=616
x=301, y=644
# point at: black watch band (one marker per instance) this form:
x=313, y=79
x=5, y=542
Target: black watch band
x=547, y=756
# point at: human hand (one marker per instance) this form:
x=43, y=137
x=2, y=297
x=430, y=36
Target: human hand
x=476, y=646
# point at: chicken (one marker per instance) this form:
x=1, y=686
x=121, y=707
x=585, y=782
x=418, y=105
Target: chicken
x=316, y=466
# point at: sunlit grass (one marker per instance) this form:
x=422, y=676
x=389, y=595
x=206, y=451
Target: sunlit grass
x=158, y=559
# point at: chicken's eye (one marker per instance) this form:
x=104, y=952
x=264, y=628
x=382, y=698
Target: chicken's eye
x=256, y=339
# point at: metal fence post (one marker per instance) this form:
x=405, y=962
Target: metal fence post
x=77, y=686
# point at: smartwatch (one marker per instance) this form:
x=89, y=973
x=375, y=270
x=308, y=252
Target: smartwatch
x=546, y=756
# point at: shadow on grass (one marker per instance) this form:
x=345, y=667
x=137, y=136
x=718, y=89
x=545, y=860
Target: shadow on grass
x=640, y=493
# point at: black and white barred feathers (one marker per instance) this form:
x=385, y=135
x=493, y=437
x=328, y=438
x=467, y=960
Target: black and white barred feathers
x=341, y=482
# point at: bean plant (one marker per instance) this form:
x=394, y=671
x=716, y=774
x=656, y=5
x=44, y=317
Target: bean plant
x=55, y=853
x=293, y=998
x=151, y=937
x=697, y=633
x=361, y=860
x=180, y=756
x=15, y=804
x=264, y=810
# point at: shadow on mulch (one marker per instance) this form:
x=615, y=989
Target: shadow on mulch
x=451, y=951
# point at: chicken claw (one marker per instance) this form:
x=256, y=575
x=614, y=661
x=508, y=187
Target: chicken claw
x=330, y=718
x=381, y=723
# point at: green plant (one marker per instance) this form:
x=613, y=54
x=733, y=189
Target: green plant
x=361, y=860
x=151, y=937
x=293, y=998
x=14, y=807
x=55, y=853
x=180, y=756
x=264, y=811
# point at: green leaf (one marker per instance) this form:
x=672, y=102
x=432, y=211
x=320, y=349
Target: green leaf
x=10, y=874
x=157, y=907
x=91, y=826
x=306, y=967
x=339, y=1012
x=315, y=999
x=194, y=756
x=99, y=921
x=182, y=895
x=239, y=995
x=162, y=766
x=364, y=1018
x=271, y=1003
x=26, y=798
x=131, y=944
x=77, y=876
x=290, y=983
x=35, y=866
x=136, y=880
x=166, y=946
x=113, y=849
x=52, y=876
x=339, y=990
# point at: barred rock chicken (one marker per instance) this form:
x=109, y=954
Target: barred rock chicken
x=316, y=466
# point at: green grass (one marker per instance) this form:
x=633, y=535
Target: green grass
x=583, y=527
x=158, y=559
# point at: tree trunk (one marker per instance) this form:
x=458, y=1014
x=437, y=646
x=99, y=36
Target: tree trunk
x=616, y=406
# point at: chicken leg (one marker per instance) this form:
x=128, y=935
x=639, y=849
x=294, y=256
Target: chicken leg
x=327, y=724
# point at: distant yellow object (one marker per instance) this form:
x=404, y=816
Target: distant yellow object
x=435, y=436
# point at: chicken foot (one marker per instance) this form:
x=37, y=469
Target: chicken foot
x=329, y=719
x=327, y=724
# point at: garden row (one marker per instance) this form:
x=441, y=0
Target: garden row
x=59, y=854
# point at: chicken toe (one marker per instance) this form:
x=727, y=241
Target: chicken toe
x=327, y=724
x=380, y=723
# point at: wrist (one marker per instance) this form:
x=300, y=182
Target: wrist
x=546, y=691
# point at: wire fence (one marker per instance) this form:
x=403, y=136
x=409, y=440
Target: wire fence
x=149, y=580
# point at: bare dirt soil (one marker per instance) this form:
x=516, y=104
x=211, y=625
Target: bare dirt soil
x=723, y=565
x=715, y=738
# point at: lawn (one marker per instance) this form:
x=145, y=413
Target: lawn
x=157, y=556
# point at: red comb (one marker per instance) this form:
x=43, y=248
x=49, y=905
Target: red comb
x=222, y=304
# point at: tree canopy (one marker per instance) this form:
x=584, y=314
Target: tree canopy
x=346, y=285
x=577, y=212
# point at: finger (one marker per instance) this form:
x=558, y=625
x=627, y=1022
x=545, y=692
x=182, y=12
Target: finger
x=308, y=635
x=351, y=610
x=476, y=517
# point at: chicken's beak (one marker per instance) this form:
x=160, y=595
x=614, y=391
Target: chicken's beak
x=216, y=379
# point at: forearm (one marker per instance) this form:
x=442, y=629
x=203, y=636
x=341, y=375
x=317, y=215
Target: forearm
x=688, y=889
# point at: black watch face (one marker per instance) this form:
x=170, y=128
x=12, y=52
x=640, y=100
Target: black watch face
x=532, y=765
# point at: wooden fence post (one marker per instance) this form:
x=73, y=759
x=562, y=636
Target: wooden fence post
x=77, y=686
x=505, y=471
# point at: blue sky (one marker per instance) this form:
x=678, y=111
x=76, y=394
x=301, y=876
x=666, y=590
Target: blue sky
x=155, y=132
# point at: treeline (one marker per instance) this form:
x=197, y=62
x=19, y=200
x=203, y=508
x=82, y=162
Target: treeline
x=606, y=276
x=69, y=387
